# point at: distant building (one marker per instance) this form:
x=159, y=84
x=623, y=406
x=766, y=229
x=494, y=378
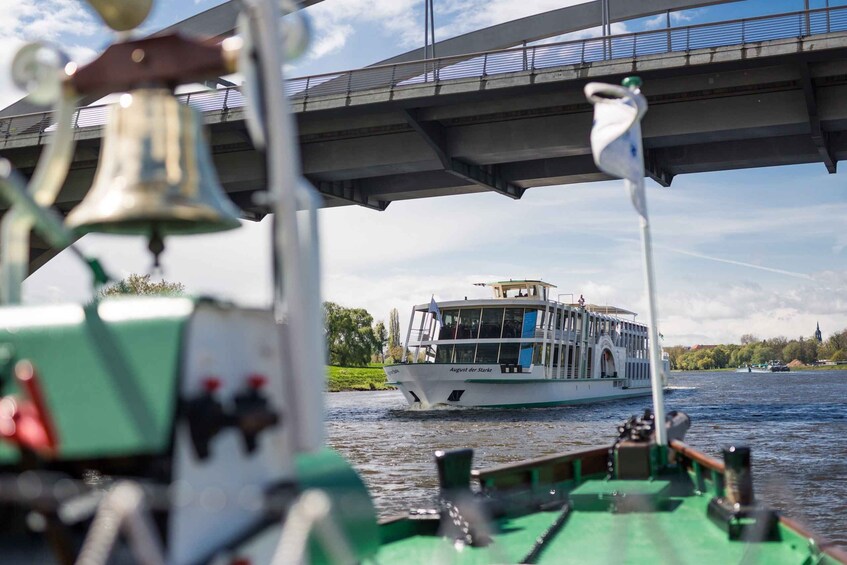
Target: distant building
x=818, y=336
x=700, y=346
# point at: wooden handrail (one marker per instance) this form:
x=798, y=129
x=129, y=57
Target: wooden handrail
x=694, y=455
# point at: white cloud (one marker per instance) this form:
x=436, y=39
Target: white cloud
x=660, y=21
x=62, y=22
x=335, y=21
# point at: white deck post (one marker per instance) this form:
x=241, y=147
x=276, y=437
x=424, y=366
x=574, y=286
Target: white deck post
x=408, y=335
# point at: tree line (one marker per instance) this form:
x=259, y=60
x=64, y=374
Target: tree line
x=754, y=351
x=352, y=337
x=354, y=340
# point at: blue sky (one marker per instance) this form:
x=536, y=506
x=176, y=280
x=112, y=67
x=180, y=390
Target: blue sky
x=759, y=251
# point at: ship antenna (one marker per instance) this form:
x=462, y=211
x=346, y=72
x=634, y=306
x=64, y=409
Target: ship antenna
x=617, y=148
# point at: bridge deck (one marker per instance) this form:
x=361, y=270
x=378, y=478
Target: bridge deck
x=747, y=93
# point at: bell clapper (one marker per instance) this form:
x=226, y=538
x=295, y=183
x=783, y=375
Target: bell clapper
x=156, y=246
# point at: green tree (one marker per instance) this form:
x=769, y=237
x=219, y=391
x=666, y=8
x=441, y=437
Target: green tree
x=720, y=356
x=393, y=330
x=675, y=354
x=836, y=342
x=763, y=353
x=350, y=337
x=792, y=351
x=804, y=350
x=381, y=336
x=747, y=339
x=141, y=285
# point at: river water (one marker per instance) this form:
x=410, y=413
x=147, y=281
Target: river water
x=796, y=424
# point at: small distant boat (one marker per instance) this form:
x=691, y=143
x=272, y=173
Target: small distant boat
x=521, y=348
x=769, y=367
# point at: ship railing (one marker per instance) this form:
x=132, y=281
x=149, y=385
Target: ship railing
x=483, y=66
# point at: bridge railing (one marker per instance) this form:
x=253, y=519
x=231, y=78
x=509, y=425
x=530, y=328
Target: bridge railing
x=490, y=63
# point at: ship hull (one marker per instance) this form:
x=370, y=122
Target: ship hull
x=484, y=386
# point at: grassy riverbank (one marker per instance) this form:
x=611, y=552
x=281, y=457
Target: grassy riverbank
x=357, y=378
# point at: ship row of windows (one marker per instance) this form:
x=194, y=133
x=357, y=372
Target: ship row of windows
x=515, y=353
x=508, y=323
x=480, y=353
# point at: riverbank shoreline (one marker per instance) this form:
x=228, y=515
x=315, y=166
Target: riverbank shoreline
x=793, y=369
x=351, y=379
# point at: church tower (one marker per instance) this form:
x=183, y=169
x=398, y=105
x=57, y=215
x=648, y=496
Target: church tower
x=818, y=333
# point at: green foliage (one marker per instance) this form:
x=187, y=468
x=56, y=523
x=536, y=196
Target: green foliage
x=350, y=337
x=755, y=351
x=371, y=377
x=835, y=348
x=804, y=350
x=393, y=330
x=396, y=354
x=381, y=336
x=675, y=353
x=141, y=285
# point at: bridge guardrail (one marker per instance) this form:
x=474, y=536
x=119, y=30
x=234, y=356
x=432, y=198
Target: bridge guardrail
x=480, y=65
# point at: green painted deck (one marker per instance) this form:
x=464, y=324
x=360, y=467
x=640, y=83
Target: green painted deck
x=681, y=534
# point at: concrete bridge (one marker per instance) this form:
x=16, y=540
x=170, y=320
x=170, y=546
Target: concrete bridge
x=745, y=93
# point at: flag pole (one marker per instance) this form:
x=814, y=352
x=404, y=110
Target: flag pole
x=617, y=148
x=656, y=368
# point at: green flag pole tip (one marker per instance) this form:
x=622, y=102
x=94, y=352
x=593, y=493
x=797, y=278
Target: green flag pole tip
x=632, y=82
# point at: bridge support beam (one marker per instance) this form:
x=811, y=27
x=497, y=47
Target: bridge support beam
x=486, y=176
x=349, y=191
x=655, y=170
x=819, y=137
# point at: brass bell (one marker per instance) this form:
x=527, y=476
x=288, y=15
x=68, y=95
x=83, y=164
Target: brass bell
x=155, y=175
x=122, y=15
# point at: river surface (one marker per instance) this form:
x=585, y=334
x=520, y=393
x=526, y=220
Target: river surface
x=796, y=424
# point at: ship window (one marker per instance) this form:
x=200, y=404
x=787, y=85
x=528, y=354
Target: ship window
x=536, y=354
x=448, y=327
x=509, y=353
x=487, y=352
x=492, y=323
x=513, y=323
x=443, y=354
x=468, y=323
x=464, y=353
x=526, y=355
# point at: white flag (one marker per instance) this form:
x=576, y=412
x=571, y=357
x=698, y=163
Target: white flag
x=433, y=307
x=616, y=136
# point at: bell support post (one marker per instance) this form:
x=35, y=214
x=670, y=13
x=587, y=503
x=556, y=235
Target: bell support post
x=297, y=277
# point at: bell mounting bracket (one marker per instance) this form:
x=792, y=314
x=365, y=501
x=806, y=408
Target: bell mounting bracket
x=168, y=60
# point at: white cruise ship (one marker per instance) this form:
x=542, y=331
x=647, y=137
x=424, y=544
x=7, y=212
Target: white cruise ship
x=521, y=348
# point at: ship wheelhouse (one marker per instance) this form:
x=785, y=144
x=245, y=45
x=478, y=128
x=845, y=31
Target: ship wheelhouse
x=523, y=329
